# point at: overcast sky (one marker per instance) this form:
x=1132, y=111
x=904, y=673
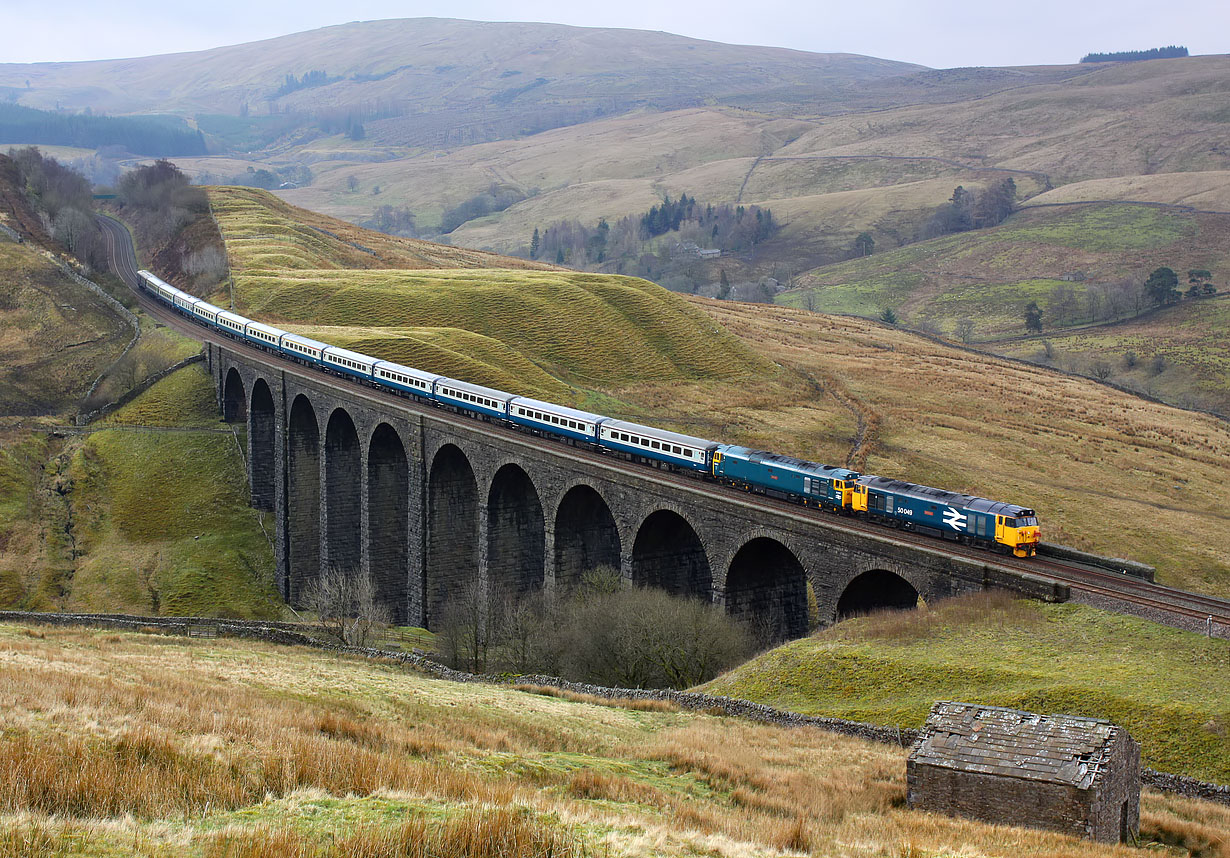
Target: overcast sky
x=939, y=33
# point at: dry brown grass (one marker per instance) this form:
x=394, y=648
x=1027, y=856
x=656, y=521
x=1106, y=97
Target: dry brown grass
x=639, y=705
x=159, y=746
x=499, y=833
x=1208, y=189
x=1198, y=827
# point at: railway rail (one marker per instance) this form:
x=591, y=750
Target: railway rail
x=1181, y=608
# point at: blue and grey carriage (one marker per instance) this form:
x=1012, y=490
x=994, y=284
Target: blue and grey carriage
x=673, y=448
x=547, y=417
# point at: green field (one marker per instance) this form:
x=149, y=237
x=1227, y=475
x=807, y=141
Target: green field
x=1170, y=689
x=989, y=276
x=162, y=517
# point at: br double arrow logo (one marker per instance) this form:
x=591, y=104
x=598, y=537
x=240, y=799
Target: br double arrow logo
x=954, y=519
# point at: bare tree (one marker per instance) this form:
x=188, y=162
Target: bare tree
x=1101, y=370
x=965, y=330
x=522, y=634
x=462, y=629
x=1062, y=305
x=347, y=607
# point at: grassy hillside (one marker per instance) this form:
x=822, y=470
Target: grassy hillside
x=56, y=338
x=343, y=756
x=577, y=327
x=444, y=65
x=454, y=352
x=107, y=521
x=1060, y=126
x=990, y=275
x=1117, y=119
x=1200, y=190
x=1167, y=687
x=586, y=171
x=1178, y=354
x=262, y=233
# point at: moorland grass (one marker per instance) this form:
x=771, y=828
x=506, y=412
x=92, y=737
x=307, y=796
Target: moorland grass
x=1105, y=470
x=264, y=232
x=163, y=526
x=1169, y=688
x=453, y=352
x=577, y=326
x=184, y=399
x=55, y=336
x=151, y=745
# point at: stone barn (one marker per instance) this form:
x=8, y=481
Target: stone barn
x=1079, y=776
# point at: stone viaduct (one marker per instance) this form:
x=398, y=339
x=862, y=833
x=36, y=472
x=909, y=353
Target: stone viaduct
x=427, y=502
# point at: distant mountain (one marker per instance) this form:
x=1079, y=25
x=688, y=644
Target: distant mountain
x=432, y=64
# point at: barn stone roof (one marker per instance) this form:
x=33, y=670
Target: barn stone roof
x=1060, y=749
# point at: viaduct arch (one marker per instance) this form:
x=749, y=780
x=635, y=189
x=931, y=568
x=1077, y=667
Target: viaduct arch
x=516, y=535
x=234, y=401
x=302, y=527
x=668, y=554
x=452, y=530
x=388, y=495
x=876, y=590
x=586, y=536
x=343, y=495
x=262, y=441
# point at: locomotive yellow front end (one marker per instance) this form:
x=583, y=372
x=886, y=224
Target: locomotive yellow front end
x=1020, y=533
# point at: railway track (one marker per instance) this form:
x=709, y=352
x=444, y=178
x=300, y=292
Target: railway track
x=1155, y=601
